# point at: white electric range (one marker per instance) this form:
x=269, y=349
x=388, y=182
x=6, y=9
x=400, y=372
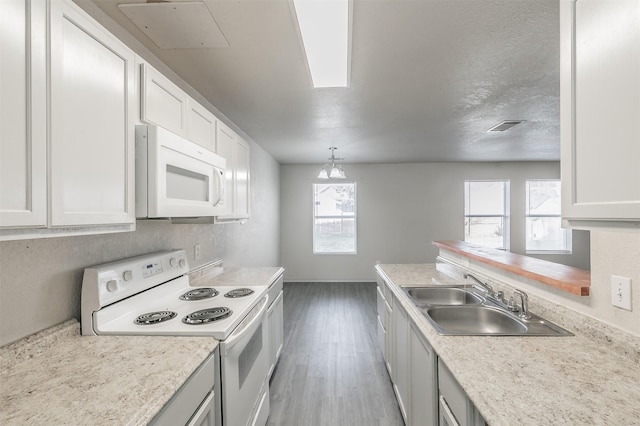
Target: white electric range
x=151, y=295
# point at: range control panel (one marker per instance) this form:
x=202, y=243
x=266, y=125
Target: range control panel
x=151, y=269
x=114, y=281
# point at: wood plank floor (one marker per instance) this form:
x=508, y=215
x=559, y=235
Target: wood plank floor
x=331, y=371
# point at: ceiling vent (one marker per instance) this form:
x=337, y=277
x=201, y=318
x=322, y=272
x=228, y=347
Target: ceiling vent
x=176, y=25
x=505, y=125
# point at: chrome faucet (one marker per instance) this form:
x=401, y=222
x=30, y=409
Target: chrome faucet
x=484, y=286
x=524, y=304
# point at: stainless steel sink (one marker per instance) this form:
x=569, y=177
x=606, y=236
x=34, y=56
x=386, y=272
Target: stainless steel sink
x=474, y=320
x=423, y=296
x=461, y=311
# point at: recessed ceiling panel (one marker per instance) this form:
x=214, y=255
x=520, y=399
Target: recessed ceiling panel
x=176, y=25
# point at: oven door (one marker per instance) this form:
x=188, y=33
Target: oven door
x=244, y=359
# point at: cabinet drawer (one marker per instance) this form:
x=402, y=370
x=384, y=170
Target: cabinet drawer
x=189, y=397
x=452, y=393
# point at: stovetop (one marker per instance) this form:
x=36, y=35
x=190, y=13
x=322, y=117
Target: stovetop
x=119, y=318
x=151, y=295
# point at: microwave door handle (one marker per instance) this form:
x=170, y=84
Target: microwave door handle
x=219, y=186
x=240, y=332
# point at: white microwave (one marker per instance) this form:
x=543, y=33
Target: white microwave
x=176, y=177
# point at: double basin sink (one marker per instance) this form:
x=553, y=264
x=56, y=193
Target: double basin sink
x=462, y=311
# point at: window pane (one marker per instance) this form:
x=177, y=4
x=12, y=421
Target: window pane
x=485, y=231
x=334, y=218
x=546, y=234
x=485, y=198
x=334, y=236
x=543, y=197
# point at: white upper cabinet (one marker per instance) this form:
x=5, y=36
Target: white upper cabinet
x=23, y=138
x=201, y=125
x=163, y=103
x=67, y=147
x=238, y=180
x=92, y=122
x=600, y=112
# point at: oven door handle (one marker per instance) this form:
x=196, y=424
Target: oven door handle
x=244, y=329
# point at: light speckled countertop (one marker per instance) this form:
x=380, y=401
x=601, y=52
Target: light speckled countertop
x=58, y=377
x=531, y=380
x=236, y=276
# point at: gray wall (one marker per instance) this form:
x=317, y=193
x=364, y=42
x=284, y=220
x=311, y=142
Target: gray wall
x=40, y=280
x=401, y=208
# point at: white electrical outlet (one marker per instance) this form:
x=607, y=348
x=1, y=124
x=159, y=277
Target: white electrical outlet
x=196, y=251
x=621, y=292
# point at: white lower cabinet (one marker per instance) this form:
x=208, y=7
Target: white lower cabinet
x=389, y=341
x=455, y=408
x=381, y=302
x=275, y=319
x=423, y=389
x=426, y=391
x=194, y=403
x=401, y=375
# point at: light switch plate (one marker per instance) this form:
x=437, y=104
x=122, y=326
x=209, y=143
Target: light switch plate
x=621, y=292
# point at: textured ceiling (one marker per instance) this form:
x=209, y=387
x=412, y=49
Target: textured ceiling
x=428, y=78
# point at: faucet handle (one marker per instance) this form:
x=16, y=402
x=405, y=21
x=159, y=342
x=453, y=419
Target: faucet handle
x=524, y=304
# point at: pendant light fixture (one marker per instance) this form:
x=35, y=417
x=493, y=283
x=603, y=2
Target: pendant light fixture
x=332, y=170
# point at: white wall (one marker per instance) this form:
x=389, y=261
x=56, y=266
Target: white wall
x=614, y=253
x=401, y=208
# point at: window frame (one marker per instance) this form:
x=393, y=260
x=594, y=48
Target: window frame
x=506, y=210
x=567, y=232
x=354, y=218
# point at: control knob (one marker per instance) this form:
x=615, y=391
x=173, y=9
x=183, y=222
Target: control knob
x=173, y=262
x=183, y=263
x=112, y=285
x=128, y=275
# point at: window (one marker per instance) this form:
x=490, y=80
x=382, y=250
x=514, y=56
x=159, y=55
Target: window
x=334, y=218
x=544, y=231
x=486, y=213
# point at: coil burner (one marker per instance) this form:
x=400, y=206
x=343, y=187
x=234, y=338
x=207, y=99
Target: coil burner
x=238, y=292
x=154, y=317
x=205, y=316
x=200, y=293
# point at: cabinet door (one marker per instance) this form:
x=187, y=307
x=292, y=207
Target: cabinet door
x=226, y=140
x=163, y=103
x=238, y=180
x=381, y=302
x=23, y=139
x=600, y=109
x=92, y=128
x=401, y=380
x=276, y=323
x=201, y=125
x=205, y=416
x=423, y=389
x=389, y=336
